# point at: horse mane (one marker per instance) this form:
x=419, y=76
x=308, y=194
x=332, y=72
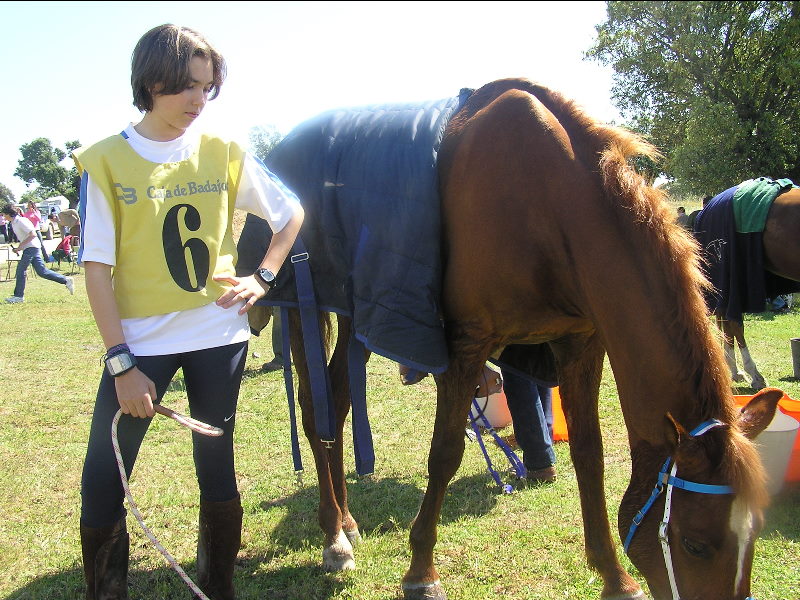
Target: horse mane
x=608, y=151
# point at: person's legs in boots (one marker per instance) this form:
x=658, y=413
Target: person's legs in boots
x=105, y=552
x=218, y=542
x=212, y=379
x=104, y=537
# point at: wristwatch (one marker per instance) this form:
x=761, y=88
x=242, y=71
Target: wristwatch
x=119, y=364
x=266, y=276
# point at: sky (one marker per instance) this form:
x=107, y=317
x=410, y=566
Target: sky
x=66, y=65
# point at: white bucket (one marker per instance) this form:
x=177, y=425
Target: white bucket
x=495, y=408
x=775, y=448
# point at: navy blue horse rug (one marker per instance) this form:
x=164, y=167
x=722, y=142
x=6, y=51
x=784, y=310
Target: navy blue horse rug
x=367, y=180
x=730, y=229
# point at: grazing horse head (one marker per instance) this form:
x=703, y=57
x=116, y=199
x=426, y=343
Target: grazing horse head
x=705, y=531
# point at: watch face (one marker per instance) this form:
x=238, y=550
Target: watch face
x=119, y=363
x=267, y=275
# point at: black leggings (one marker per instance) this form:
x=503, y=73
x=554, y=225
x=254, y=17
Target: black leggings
x=212, y=378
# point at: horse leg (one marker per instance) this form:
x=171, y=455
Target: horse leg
x=337, y=554
x=454, y=392
x=736, y=330
x=338, y=370
x=727, y=344
x=580, y=361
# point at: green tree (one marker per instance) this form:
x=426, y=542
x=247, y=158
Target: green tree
x=263, y=139
x=712, y=84
x=6, y=195
x=41, y=164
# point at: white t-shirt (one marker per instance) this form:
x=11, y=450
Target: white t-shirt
x=23, y=227
x=208, y=326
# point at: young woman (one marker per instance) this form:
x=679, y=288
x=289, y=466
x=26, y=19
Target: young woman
x=34, y=215
x=157, y=248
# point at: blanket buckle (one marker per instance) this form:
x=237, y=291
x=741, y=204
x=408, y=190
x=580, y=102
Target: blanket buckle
x=296, y=258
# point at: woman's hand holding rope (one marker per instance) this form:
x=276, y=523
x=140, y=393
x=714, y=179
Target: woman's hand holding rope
x=136, y=393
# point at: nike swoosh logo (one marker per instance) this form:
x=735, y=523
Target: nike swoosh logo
x=226, y=419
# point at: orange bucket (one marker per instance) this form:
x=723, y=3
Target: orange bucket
x=789, y=407
x=559, y=422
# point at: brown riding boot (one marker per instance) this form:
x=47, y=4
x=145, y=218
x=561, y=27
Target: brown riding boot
x=220, y=537
x=105, y=561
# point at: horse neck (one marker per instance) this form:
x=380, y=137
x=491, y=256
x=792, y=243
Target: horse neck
x=657, y=337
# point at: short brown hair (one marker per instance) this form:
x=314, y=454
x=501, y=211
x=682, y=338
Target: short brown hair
x=161, y=58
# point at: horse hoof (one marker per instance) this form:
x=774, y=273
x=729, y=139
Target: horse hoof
x=353, y=536
x=337, y=561
x=339, y=555
x=424, y=591
x=738, y=377
x=758, y=383
x=638, y=595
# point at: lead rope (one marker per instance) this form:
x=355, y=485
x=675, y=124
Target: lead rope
x=192, y=424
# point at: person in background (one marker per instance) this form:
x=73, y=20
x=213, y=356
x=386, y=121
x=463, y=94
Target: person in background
x=6, y=230
x=67, y=220
x=62, y=251
x=694, y=213
x=35, y=217
x=30, y=247
x=682, y=219
x=164, y=312
x=276, y=364
x=531, y=408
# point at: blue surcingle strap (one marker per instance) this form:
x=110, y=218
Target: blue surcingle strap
x=321, y=395
x=319, y=376
x=289, y=383
x=362, y=435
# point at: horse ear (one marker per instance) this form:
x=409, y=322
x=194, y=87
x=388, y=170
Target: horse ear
x=758, y=413
x=676, y=432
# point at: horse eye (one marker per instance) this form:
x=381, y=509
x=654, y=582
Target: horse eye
x=696, y=548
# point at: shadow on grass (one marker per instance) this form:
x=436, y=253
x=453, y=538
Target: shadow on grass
x=762, y=316
x=251, y=579
x=379, y=506
x=251, y=372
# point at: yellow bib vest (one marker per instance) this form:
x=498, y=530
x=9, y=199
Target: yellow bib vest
x=173, y=222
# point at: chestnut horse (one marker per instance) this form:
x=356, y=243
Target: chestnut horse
x=781, y=241
x=585, y=258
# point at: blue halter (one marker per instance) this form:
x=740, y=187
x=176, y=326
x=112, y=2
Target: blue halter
x=664, y=479
x=667, y=480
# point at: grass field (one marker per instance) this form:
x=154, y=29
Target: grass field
x=527, y=545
